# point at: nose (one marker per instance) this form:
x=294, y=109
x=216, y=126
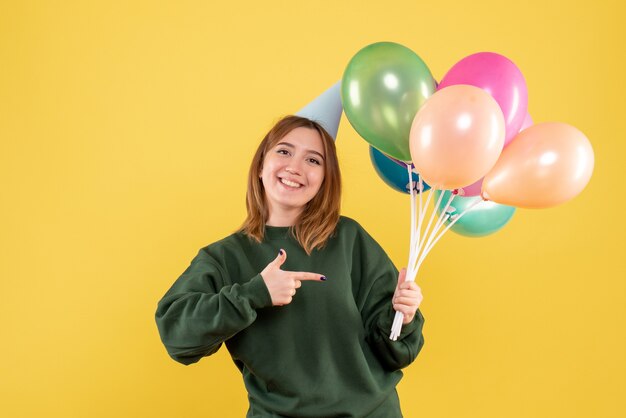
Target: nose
x=293, y=169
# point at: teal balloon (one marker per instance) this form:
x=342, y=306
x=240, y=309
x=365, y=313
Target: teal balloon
x=394, y=173
x=486, y=217
x=383, y=87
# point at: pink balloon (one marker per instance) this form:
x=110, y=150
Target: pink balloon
x=498, y=76
x=456, y=137
x=471, y=190
x=546, y=165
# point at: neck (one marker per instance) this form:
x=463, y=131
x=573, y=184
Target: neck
x=280, y=216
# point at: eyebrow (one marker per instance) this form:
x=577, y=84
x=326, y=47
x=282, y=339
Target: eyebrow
x=287, y=144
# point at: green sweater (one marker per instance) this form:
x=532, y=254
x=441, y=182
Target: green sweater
x=326, y=354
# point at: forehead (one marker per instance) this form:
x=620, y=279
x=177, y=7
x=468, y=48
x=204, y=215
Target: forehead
x=306, y=138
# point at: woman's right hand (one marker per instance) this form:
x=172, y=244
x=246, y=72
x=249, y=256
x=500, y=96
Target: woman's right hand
x=282, y=284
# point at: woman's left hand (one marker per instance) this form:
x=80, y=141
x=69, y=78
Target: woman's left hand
x=407, y=297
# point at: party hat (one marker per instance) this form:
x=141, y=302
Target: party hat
x=326, y=109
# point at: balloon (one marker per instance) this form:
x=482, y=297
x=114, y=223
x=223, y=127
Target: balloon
x=395, y=173
x=546, y=165
x=474, y=189
x=456, y=137
x=498, y=76
x=382, y=89
x=471, y=190
x=484, y=219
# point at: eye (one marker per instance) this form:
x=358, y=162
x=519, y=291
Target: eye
x=314, y=161
x=282, y=151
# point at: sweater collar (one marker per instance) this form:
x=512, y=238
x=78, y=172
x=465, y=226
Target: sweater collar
x=276, y=232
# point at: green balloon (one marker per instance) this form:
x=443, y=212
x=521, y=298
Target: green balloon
x=486, y=217
x=382, y=88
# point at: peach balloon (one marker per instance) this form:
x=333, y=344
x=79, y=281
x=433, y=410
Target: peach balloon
x=456, y=136
x=547, y=164
x=474, y=189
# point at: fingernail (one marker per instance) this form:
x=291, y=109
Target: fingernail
x=280, y=252
x=323, y=278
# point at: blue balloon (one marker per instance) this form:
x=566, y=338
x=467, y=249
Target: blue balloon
x=394, y=172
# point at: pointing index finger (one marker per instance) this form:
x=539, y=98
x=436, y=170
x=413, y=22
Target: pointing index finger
x=303, y=275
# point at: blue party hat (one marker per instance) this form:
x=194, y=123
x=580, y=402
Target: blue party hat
x=325, y=109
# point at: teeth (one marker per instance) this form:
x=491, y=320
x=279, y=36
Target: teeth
x=289, y=183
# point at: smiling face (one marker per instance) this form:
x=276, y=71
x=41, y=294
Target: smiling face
x=293, y=171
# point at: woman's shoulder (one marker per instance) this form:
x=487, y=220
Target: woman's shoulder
x=353, y=234
x=357, y=233
x=349, y=224
x=234, y=242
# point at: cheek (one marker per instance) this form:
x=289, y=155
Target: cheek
x=266, y=179
x=317, y=179
x=267, y=170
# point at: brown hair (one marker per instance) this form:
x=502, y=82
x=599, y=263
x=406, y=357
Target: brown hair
x=319, y=218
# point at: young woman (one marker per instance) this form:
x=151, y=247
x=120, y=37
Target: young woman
x=302, y=297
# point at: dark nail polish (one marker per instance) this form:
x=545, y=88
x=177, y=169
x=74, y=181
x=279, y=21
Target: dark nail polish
x=323, y=278
x=280, y=252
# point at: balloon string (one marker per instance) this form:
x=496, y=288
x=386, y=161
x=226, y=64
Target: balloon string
x=422, y=212
x=428, y=237
x=428, y=246
x=430, y=221
x=469, y=208
x=440, y=221
x=396, y=328
x=415, y=238
x=419, y=240
x=415, y=244
x=415, y=248
x=420, y=219
x=399, y=317
x=433, y=237
x=412, y=241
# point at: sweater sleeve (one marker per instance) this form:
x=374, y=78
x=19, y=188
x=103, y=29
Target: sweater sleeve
x=380, y=279
x=204, y=308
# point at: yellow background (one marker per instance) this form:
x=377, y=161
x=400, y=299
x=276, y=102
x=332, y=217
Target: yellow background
x=126, y=132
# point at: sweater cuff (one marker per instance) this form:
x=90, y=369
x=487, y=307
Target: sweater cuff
x=256, y=292
x=386, y=321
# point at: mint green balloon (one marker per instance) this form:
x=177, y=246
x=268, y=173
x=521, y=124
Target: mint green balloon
x=383, y=87
x=486, y=218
